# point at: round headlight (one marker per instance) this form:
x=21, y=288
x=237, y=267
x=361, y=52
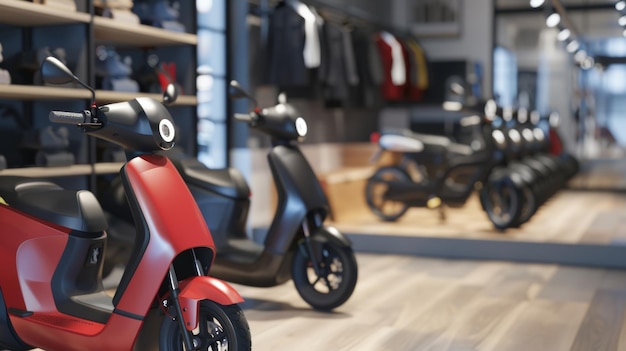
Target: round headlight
x=301, y=127
x=166, y=130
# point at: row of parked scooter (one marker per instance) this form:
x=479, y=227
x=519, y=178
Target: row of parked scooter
x=515, y=160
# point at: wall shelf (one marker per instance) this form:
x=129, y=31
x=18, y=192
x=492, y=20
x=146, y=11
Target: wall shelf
x=110, y=31
x=27, y=25
x=33, y=92
x=106, y=96
x=28, y=14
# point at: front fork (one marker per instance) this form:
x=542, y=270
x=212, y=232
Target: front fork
x=174, y=291
x=190, y=343
x=314, y=256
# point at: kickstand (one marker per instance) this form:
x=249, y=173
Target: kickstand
x=442, y=213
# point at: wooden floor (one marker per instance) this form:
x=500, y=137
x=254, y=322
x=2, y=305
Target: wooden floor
x=410, y=303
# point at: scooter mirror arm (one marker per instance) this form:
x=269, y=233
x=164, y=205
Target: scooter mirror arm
x=251, y=118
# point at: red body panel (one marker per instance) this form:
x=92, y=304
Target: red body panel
x=196, y=289
x=175, y=223
x=21, y=237
x=60, y=332
x=31, y=250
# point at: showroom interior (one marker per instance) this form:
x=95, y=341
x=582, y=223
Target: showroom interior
x=451, y=173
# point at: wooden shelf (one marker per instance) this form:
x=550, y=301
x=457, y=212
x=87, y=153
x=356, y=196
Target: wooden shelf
x=44, y=172
x=108, y=167
x=115, y=32
x=73, y=170
x=107, y=96
x=27, y=14
x=36, y=92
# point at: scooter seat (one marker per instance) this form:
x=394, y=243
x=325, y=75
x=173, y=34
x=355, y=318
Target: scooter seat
x=432, y=141
x=75, y=209
x=227, y=182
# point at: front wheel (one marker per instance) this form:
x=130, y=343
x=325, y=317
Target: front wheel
x=220, y=328
x=502, y=201
x=376, y=191
x=336, y=279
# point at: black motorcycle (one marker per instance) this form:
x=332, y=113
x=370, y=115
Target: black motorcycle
x=435, y=171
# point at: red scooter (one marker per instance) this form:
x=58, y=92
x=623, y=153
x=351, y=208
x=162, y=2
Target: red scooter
x=53, y=239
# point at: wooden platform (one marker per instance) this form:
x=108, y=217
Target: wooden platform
x=581, y=225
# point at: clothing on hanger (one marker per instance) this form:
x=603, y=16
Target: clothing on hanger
x=311, y=52
x=398, y=66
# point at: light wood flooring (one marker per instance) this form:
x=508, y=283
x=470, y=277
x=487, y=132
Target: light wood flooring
x=410, y=303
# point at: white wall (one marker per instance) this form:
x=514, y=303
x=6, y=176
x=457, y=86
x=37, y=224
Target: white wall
x=473, y=43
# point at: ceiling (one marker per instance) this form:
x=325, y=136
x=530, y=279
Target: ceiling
x=592, y=20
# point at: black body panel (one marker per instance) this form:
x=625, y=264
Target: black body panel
x=8, y=337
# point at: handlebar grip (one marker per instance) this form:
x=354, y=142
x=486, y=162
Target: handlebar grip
x=65, y=117
x=243, y=117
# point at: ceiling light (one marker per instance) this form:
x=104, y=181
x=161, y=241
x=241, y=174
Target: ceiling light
x=537, y=3
x=620, y=5
x=580, y=56
x=622, y=21
x=588, y=63
x=553, y=19
x=564, y=34
x=572, y=46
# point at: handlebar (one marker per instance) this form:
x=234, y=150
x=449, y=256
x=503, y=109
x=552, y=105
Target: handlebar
x=65, y=117
x=244, y=117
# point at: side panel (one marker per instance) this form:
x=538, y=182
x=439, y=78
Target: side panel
x=18, y=228
x=37, y=260
x=173, y=222
x=299, y=191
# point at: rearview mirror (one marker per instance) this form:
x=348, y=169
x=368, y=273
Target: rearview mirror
x=237, y=92
x=54, y=71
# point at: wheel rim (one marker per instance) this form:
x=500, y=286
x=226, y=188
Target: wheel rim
x=377, y=189
x=331, y=273
x=210, y=335
x=501, y=203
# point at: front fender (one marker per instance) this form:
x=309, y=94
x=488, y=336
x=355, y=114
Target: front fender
x=332, y=234
x=196, y=289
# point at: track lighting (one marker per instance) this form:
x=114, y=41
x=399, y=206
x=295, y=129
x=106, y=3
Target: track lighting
x=553, y=19
x=564, y=34
x=580, y=56
x=620, y=5
x=536, y=3
x=572, y=46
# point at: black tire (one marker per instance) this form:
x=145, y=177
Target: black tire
x=502, y=202
x=529, y=206
x=336, y=282
x=219, y=328
x=375, y=189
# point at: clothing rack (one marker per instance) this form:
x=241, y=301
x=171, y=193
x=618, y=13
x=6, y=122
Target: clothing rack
x=338, y=13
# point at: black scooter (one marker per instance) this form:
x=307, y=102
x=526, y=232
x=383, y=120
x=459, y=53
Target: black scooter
x=298, y=245
x=453, y=172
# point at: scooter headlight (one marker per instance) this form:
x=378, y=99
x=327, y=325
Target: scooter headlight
x=301, y=127
x=167, y=133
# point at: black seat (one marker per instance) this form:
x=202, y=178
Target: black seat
x=227, y=182
x=74, y=209
x=436, y=143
